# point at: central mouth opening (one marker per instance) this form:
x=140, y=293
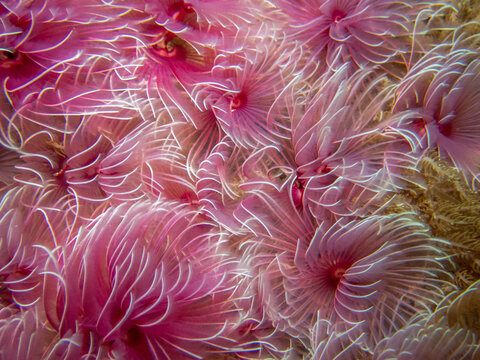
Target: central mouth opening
x=238, y=101
x=9, y=58
x=165, y=47
x=336, y=274
x=180, y=11
x=338, y=15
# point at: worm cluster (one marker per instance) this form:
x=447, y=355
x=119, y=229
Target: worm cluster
x=239, y=179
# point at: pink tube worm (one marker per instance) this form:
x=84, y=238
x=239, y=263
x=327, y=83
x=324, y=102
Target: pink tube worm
x=442, y=87
x=148, y=281
x=66, y=163
x=347, y=156
x=212, y=23
x=247, y=95
x=317, y=271
x=46, y=46
x=362, y=31
x=29, y=221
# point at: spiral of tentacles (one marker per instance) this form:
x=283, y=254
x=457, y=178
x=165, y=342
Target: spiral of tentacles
x=346, y=154
x=249, y=100
x=312, y=271
x=360, y=31
x=153, y=283
x=25, y=211
x=442, y=86
x=368, y=284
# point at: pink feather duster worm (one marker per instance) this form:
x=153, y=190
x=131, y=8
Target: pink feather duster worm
x=347, y=156
x=31, y=218
x=148, y=281
x=443, y=87
x=361, y=31
x=374, y=274
x=247, y=95
x=46, y=46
